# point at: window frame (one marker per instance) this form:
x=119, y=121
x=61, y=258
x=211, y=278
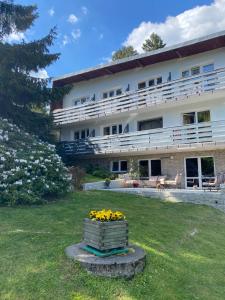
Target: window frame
x=119, y=166
x=196, y=117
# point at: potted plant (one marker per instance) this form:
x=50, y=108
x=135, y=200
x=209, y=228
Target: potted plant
x=105, y=230
x=107, y=183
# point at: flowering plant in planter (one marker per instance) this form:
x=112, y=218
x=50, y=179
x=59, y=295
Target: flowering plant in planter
x=106, y=230
x=106, y=215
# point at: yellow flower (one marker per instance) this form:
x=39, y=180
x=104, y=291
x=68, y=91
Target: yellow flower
x=106, y=215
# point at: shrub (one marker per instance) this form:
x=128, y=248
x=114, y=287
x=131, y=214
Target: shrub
x=77, y=175
x=30, y=170
x=98, y=171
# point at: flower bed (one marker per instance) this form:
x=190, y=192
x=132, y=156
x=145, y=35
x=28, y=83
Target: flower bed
x=30, y=170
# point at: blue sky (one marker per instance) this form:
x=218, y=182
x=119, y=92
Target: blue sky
x=89, y=31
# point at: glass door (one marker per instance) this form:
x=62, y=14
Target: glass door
x=144, y=169
x=199, y=171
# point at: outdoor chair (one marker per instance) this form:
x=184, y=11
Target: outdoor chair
x=176, y=183
x=215, y=183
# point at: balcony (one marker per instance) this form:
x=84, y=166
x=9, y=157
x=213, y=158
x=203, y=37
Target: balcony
x=180, y=138
x=169, y=92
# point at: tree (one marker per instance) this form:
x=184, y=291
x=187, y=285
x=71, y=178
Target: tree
x=23, y=96
x=124, y=52
x=153, y=43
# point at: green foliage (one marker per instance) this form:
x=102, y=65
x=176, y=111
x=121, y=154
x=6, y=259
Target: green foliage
x=124, y=52
x=134, y=171
x=21, y=93
x=98, y=171
x=153, y=43
x=30, y=170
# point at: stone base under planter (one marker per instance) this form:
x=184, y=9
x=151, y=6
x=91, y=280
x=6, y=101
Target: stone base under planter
x=114, y=266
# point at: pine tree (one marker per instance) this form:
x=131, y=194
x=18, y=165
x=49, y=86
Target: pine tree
x=124, y=52
x=153, y=43
x=21, y=94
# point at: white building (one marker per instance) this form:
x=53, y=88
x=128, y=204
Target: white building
x=165, y=109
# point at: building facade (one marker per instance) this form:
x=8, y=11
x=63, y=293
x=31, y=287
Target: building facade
x=164, y=109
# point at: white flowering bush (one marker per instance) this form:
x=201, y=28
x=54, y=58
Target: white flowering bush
x=30, y=170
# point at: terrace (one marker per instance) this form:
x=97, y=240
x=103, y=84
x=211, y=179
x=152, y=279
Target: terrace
x=170, y=92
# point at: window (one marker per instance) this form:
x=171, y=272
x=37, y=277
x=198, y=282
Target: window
x=81, y=100
x=141, y=85
x=115, y=166
x=114, y=129
x=150, y=124
x=106, y=130
x=112, y=93
x=185, y=73
x=83, y=134
x=151, y=82
x=159, y=80
x=119, y=166
x=204, y=116
x=76, y=135
x=92, y=133
x=208, y=68
x=156, y=167
x=189, y=118
x=118, y=92
x=120, y=128
x=87, y=133
x=196, y=117
x=195, y=71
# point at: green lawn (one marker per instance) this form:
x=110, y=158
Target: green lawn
x=185, y=247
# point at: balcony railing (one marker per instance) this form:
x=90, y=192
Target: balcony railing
x=172, y=138
x=131, y=101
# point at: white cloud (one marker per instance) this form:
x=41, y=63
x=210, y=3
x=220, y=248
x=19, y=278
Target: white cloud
x=101, y=36
x=72, y=19
x=65, y=40
x=51, y=12
x=76, y=34
x=42, y=73
x=15, y=37
x=192, y=23
x=84, y=10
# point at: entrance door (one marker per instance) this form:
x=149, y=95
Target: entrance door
x=198, y=171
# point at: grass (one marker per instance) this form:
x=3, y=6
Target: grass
x=91, y=178
x=184, y=245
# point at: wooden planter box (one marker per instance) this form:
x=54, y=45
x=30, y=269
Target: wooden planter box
x=105, y=235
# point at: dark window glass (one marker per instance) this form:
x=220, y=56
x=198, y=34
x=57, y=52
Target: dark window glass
x=144, y=168
x=207, y=164
x=106, y=130
x=203, y=116
x=141, y=85
x=105, y=95
x=83, y=100
x=156, y=167
x=111, y=93
x=76, y=135
x=87, y=132
x=208, y=68
x=192, y=167
x=159, y=80
x=76, y=102
x=120, y=128
x=126, y=129
x=118, y=92
x=185, y=73
x=123, y=166
x=151, y=82
x=115, y=166
x=93, y=133
x=150, y=124
x=83, y=134
x=114, y=129
x=189, y=118
x=195, y=70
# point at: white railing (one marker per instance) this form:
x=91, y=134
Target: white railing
x=182, y=137
x=163, y=93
